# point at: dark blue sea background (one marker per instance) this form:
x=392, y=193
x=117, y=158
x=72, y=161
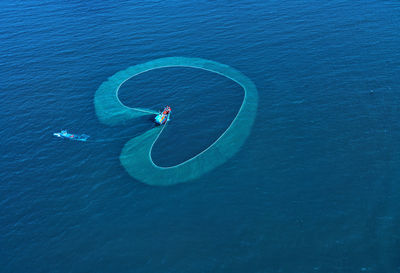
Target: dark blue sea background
x=315, y=188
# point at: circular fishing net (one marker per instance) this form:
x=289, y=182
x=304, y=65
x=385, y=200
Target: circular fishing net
x=136, y=153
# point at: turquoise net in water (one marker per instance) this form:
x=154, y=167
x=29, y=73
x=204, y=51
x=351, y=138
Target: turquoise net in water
x=136, y=153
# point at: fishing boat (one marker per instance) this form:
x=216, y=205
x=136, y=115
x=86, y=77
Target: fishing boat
x=65, y=134
x=163, y=116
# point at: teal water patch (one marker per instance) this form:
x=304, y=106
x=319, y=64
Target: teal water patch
x=136, y=153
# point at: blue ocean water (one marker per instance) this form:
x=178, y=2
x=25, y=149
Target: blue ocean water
x=315, y=188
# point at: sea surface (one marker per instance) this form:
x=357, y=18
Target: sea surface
x=315, y=188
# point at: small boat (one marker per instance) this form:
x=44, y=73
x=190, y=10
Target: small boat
x=65, y=134
x=163, y=117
